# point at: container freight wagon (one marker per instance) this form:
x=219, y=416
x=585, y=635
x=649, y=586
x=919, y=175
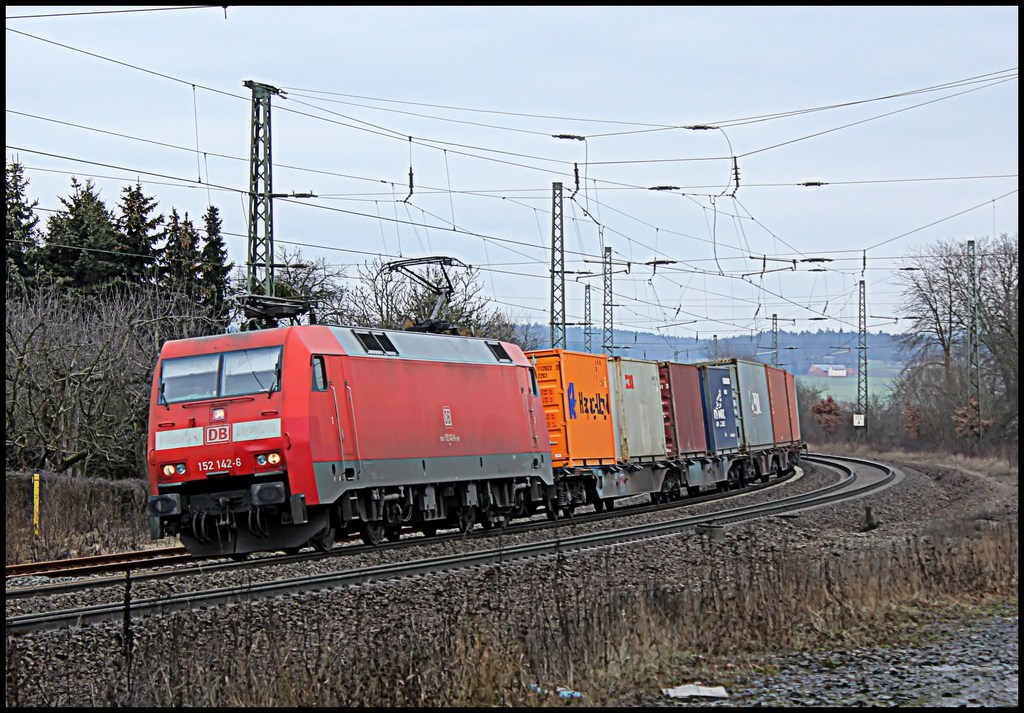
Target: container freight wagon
x=692, y=464
x=585, y=426
x=639, y=418
x=785, y=417
x=639, y=428
x=720, y=407
x=756, y=428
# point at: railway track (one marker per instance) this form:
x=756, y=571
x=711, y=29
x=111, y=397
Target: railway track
x=858, y=478
x=140, y=561
x=99, y=564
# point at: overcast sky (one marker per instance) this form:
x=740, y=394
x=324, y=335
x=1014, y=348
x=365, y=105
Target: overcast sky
x=908, y=115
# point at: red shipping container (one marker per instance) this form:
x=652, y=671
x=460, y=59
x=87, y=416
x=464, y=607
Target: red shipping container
x=794, y=413
x=778, y=398
x=684, y=415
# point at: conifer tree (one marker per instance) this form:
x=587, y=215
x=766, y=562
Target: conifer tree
x=81, y=241
x=214, y=270
x=22, y=242
x=139, y=232
x=180, y=260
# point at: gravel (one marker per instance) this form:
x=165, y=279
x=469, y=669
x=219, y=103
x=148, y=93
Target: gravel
x=972, y=662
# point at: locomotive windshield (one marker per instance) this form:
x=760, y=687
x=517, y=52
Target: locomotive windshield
x=212, y=376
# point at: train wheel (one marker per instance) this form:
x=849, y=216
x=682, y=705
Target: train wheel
x=693, y=490
x=467, y=518
x=428, y=530
x=518, y=506
x=599, y=505
x=393, y=534
x=373, y=532
x=292, y=550
x=609, y=503
x=551, y=506
x=485, y=519
x=568, y=511
x=239, y=556
x=323, y=541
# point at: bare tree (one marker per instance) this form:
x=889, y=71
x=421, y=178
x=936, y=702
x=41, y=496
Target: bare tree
x=78, y=375
x=394, y=301
x=933, y=386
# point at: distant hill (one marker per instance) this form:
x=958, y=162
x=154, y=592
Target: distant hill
x=798, y=351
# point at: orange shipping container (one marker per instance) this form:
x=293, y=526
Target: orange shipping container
x=577, y=406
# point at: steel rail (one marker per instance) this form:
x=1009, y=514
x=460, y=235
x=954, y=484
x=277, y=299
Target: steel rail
x=308, y=583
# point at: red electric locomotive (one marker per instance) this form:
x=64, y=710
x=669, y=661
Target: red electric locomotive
x=281, y=438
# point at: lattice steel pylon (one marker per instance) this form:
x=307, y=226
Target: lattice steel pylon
x=862, y=356
x=608, y=339
x=557, y=270
x=973, y=346
x=586, y=319
x=775, y=340
x=261, y=212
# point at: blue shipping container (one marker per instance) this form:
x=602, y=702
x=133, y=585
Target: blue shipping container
x=718, y=401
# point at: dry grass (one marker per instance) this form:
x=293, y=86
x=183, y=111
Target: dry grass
x=999, y=468
x=77, y=517
x=499, y=633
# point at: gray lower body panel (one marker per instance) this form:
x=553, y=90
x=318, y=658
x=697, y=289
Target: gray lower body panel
x=334, y=479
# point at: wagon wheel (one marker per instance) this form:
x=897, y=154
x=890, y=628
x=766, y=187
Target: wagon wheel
x=292, y=550
x=373, y=532
x=485, y=518
x=598, y=505
x=609, y=503
x=239, y=556
x=323, y=541
x=569, y=510
x=551, y=506
x=393, y=534
x=467, y=517
x=428, y=529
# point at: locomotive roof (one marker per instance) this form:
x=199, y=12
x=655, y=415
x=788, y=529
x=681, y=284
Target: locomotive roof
x=361, y=342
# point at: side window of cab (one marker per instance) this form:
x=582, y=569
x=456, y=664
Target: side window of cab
x=319, y=374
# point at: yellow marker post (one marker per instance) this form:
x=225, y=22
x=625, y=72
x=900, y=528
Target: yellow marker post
x=35, y=502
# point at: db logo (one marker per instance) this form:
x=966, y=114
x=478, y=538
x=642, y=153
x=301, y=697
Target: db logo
x=218, y=434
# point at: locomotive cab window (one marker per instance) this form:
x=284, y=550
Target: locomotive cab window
x=189, y=378
x=211, y=376
x=533, y=382
x=319, y=374
x=499, y=351
x=251, y=371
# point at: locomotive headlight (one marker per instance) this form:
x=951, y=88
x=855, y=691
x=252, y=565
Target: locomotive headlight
x=180, y=468
x=274, y=458
x=168, y=470
x=261, y=459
